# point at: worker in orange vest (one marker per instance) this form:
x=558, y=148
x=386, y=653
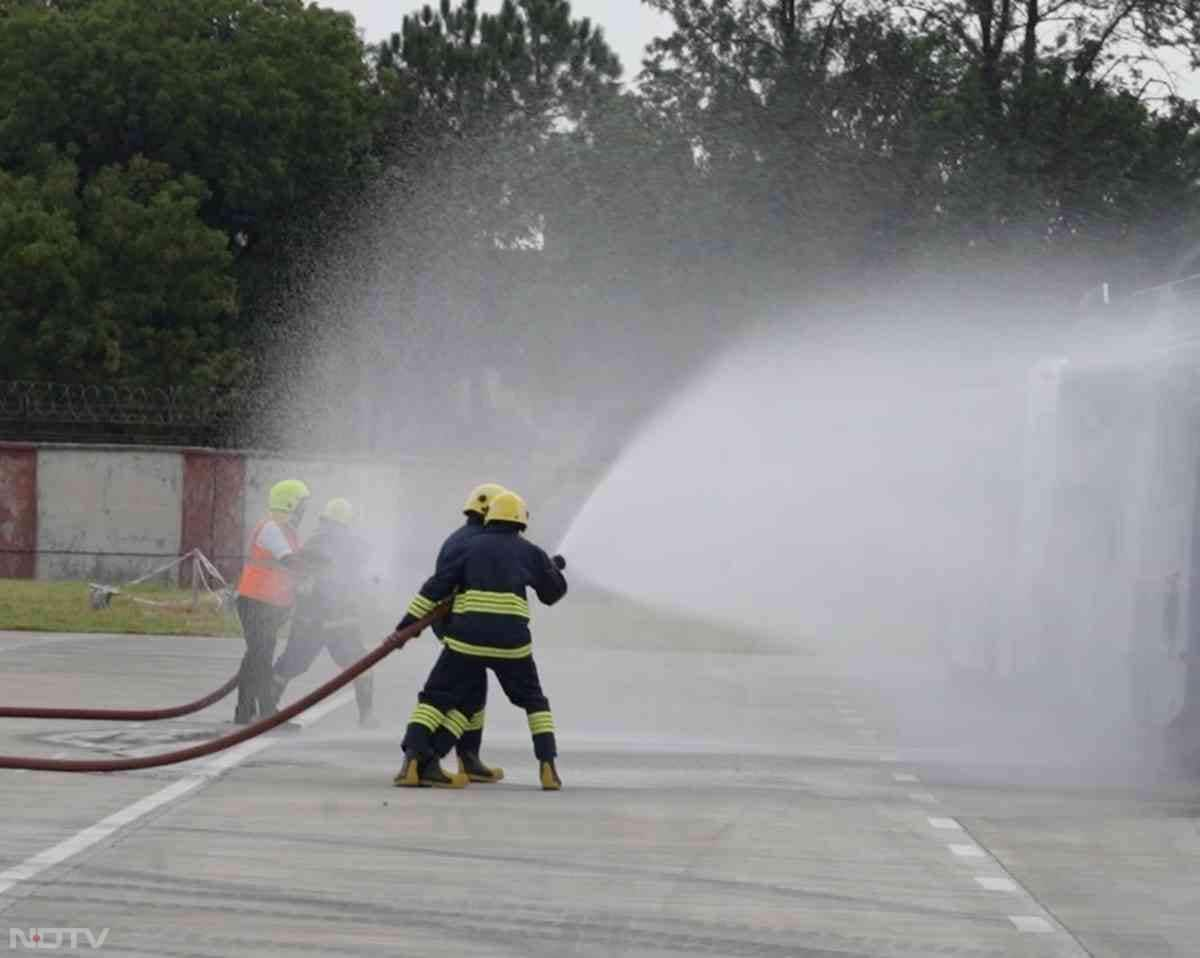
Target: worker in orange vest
x=266, y=594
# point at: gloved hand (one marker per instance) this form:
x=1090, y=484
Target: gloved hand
x=559, y=563
x=408, y=620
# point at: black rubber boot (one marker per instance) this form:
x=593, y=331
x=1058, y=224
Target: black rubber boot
x=434, y=776
x=470, y=765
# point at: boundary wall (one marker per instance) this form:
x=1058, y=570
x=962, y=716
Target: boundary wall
x=111, y=513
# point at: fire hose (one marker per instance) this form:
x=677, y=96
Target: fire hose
x=396, y=640
x=120, y=715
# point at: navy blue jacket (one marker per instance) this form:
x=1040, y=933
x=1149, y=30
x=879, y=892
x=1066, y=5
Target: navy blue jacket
x=449, y=553
x=489, y=580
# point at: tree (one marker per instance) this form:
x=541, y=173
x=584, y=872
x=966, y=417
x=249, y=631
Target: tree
x=269, y=103
x=252, y=118
x=957, y=130
x=805, y=123
x=117, y=280
x=475, y=99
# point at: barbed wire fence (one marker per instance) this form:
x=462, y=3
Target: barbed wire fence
x=119, y=413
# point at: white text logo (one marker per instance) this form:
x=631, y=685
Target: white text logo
x=52, y=939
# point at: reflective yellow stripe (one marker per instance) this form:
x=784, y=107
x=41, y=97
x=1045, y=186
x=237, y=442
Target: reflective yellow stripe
x=428, y=712
x=491, y=603
x=456, y=722
x=476, y=723
x=426, y=715
x=488, y=651
x=541, y=722
x=421, y=607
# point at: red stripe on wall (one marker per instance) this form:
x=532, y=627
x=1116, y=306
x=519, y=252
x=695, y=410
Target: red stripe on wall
x=18, y=512
x=213, y=490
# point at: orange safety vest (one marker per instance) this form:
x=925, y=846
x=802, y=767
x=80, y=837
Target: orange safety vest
x=263, y=578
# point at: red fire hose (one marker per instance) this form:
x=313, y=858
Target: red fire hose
x=393, y=642
x=120, y=715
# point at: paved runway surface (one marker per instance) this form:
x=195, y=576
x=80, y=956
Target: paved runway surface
x=763, y=802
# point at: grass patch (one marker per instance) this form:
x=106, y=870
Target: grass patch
x=65, y=607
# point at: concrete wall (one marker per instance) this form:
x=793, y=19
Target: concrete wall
x=110, y=514
x=107, y=514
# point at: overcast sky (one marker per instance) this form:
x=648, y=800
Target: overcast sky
x=628, y=24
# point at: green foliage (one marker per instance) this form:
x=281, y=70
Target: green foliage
x=180, y=133
x=173, y=174
x=864, y=136
x=482, y=98
x=267, y=103
x=117, y=281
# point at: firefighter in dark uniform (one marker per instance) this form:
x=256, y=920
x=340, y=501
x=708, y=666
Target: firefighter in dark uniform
x=327, y=615
x=489, y=629
x=462, y=728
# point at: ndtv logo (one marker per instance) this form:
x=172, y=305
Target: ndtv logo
x=51, y=939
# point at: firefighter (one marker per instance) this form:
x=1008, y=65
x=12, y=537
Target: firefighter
x=489, y=629
x=266, y=593
x=326, y=615
x=462, y=728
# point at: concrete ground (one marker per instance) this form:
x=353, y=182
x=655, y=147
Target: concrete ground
x=756, y=802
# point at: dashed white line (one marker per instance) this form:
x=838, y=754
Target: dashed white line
x=996, y=883
x=205, y=773
x=1031, y=923
x=1043, y=924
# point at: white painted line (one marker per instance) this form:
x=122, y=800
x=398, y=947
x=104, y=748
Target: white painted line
x=234, y=756
x=204, y=774
x=948, y=824
x=318, y=712
x=866, y=732
x=1031, y=923
x=891, y=758
x=997, y=883
x=81, y=841
x=923, y=797
x=904, y=777
x=967, y=851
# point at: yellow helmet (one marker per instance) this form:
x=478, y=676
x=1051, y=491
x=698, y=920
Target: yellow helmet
x=339, y=511
x=481, y=498
x=287, y=496
x=508, y=507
